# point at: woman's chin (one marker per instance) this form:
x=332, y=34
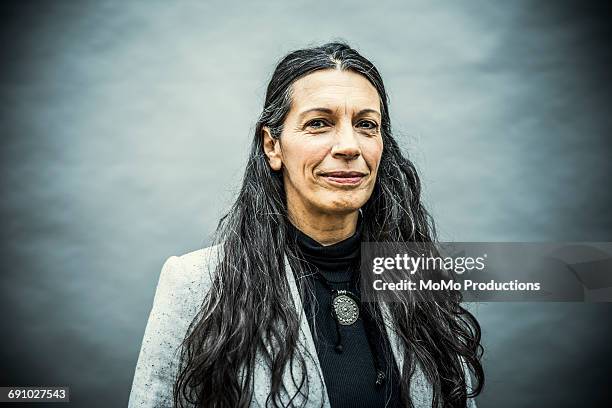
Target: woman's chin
x=340, y=205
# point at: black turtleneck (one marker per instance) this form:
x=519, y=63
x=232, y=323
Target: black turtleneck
x=349, y=375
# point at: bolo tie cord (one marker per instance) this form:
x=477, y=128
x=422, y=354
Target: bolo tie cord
x=369, y=325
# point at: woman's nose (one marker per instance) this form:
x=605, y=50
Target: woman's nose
x=346, y=144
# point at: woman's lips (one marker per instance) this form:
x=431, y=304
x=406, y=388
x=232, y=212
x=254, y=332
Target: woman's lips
x=345, y=178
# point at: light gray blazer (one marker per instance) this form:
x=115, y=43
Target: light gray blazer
x=182, y=285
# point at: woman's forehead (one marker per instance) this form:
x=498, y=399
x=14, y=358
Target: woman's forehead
x=334, y=90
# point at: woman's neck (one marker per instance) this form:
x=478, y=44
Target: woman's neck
x=326, y=229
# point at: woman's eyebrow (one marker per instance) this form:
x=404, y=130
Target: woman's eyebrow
x=364, y=111
x=329, y=111
x=323, y=110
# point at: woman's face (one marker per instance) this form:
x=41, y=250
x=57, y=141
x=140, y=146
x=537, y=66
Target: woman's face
x=331, y=143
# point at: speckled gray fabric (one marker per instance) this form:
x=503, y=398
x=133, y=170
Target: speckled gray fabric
x=182, y=285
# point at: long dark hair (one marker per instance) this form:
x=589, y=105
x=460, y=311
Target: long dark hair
x=250, y=296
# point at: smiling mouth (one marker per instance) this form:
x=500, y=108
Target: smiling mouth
x=344, y=177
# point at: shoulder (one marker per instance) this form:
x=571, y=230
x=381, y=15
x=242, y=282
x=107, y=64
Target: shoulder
x=185, y=279
x=195, y=267
x=197, y=261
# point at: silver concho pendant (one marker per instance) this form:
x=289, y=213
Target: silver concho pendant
x=346, y=308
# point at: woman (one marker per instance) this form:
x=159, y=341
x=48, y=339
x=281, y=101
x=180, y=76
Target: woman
x=270, y=315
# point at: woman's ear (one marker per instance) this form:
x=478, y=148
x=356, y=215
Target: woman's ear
x=272, y=149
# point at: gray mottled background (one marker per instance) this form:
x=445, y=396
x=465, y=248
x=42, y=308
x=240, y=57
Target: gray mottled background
x=124, y=136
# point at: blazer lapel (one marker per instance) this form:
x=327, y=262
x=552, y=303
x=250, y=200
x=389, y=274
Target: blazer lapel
x=420, y=390
x=316, y=393
x=318, y=390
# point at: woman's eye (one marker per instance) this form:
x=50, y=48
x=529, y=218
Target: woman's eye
x=316, y=123
x=369, y=124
